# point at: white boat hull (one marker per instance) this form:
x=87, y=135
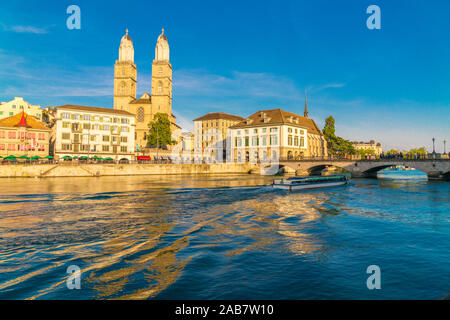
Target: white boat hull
x=292, y=187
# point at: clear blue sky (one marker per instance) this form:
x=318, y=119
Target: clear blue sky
x=391, y=85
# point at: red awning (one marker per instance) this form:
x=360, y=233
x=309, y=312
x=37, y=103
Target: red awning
x=144, y=158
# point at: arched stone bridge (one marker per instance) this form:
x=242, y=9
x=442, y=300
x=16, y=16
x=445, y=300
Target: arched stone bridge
x=367, y=168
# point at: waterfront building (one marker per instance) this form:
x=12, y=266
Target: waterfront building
x=13, y=107
x=276, y=134
x=146, y=106
x=211, y=134
x=23, y=135
x=371, y=145
x=92, y=131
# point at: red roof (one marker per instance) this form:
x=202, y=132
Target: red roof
x=22, y=122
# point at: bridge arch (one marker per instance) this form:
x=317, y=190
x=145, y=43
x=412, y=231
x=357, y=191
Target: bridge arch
x=372, y=172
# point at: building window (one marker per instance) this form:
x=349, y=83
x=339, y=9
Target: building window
x=86, y=126
x=105, y=148
x=290, y=140
x=105, y=138
x=66, y=136
x=123, y=149
x=140, y=114
x=123, y=139
x=246, y=141
x=302, y=142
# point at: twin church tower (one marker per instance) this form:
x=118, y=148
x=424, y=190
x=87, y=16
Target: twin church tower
x=125, y=81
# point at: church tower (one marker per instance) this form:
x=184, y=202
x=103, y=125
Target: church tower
x=162, y=78
x=125, y=75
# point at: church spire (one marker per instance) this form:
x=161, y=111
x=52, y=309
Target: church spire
x=305, y=114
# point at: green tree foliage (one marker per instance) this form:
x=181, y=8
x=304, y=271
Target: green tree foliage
x=422, y=151
x=336, y=145
x=365, y=152
x=160, y=133
x=392, y=151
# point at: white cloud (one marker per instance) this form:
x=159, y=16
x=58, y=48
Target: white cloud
x=25, y=29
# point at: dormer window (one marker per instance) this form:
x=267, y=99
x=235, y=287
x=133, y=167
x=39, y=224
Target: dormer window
x=249, y=121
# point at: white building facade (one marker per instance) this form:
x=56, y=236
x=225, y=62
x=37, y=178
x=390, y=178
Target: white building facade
x=270, y=135
x=13, y=107
x=91, y=131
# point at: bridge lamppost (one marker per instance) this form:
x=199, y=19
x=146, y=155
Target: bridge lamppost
x=444, y=147
x=434, y=152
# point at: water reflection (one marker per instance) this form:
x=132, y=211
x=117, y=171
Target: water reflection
x=135, y=237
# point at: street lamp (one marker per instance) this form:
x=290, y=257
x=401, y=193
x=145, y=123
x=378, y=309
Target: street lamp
x=433, y=146
x=444, y=146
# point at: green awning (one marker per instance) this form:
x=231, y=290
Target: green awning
x=109, y=158
x=48, y=157
x=23, y=157
x=10, y=158
x=35, y=158
x=83, y=158
x=67, y=157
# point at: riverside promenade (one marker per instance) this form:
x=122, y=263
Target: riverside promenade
x=96, y=170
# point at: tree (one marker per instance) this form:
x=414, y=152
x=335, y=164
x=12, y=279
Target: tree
x=422, y=151
x=160, y=134
x=365, y=152
x=392, y=151
x=336, y=145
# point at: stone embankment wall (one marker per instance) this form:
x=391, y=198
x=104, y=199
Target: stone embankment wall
x=87, y=170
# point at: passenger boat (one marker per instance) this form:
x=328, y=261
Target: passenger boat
x=298, y=183
x=401, y=173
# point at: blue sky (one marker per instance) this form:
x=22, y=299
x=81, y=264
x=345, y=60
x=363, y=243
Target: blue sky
x=391, y=85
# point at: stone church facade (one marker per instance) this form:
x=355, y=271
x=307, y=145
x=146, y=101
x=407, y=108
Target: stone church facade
x=146, y=106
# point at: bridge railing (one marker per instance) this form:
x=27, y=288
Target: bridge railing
x=328, y=158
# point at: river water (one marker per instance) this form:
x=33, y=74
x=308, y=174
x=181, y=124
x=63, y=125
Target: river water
x=222, y=237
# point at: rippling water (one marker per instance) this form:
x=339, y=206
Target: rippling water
x=222, y=237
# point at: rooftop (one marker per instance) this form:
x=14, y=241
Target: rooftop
x=22, y=119
x=219, y=115
x=93, y=109
x=278, y=116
